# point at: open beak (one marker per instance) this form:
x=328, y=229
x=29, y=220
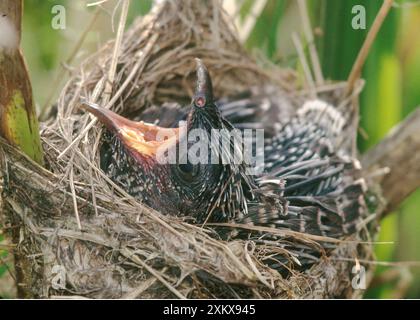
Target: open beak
x=144, y=138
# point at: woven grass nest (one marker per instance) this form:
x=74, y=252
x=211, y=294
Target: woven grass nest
x=124, y=249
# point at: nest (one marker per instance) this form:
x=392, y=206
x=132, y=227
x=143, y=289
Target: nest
x=79, y=234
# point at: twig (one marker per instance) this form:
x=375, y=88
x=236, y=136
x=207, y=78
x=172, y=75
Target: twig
x=399, y=152
x=291, y=233
x=411, y=264
x=83, y=236
x=303, y=9
x=73, y=192
x=138, y=291
x=401, y=275
x=364, y=51
x=134, y=72
x=67, y=62
x=97, y=3
x=255, y=269
x=132, y=256
x=406, y=5
x=10, y=272
x=251, y=19
x=116, y=53
x=305, y=66
x=233, y=9
x=9, y=247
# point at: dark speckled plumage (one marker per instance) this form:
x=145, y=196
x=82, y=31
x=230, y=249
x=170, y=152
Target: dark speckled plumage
x=310, y=181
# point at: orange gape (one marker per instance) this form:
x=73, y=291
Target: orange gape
x=145, y=138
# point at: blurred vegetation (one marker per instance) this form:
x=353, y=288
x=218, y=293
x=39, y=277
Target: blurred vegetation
x=392, y=90
x=392, y=74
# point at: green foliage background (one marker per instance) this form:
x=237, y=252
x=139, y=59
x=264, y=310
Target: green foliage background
x=391, y=92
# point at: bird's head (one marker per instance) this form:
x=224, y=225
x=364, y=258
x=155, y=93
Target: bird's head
x=183, y=170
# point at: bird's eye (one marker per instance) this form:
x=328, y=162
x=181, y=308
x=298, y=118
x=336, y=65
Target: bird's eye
x=188, y=170
x=200, y=102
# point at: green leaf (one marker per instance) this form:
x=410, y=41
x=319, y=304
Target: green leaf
x=264, y=35
x=21, y=128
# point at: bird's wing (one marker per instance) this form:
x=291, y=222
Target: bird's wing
x=316, y=181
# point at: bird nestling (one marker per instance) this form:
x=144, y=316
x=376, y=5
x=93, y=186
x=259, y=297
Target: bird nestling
x=308, y=183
